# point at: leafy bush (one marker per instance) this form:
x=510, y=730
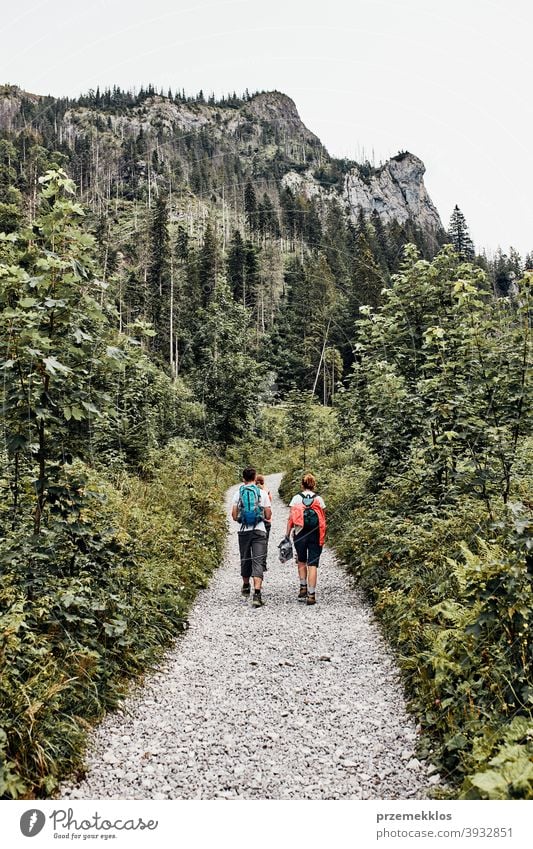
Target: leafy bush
x=457, y=611
x=110, y=596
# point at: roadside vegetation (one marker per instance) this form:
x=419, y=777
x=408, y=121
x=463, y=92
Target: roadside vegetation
x=425, y=468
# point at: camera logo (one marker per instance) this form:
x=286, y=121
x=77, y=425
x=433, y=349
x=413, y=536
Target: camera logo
x=32, y=822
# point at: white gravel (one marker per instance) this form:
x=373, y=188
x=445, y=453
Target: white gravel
x=284, y=702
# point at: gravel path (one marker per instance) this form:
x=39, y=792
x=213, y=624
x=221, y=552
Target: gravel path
x=284, y=702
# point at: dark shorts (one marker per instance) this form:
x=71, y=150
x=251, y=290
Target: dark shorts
x=307, y=548
x=253, y=551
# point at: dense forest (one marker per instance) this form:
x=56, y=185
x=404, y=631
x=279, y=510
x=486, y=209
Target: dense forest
x=184, y=288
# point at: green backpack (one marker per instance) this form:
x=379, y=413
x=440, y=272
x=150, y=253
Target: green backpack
x=310, y=515
x=249, y=509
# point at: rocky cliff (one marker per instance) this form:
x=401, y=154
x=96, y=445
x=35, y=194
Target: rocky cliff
x=396, y=191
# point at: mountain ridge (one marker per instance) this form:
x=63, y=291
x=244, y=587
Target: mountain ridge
x=260, y=137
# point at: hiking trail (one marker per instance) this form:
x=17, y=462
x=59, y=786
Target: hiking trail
x=284, y=702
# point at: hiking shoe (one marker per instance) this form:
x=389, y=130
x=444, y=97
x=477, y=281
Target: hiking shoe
x=311, y=599
x=245, y=589
x=302, y=595
x=257, y=601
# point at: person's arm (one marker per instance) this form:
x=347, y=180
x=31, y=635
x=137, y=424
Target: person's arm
x=235, y=508
x=267, y=510
x=290, y=523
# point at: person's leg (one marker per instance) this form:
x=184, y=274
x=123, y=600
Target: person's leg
x=245, y=544
x=301, y=554
x=259, y=553
x=268, y=527
x=313, y=557
x=312, y=573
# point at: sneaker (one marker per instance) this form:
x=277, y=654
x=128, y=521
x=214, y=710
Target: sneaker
x=245, y=589
x=257, y=601
x=302, y=595
x=311, y=599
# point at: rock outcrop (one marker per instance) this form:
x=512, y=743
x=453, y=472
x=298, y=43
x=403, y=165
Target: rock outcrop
x=395, y=192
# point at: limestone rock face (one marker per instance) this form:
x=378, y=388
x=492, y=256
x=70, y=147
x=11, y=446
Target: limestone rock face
x=279, y=109
x=396, y=191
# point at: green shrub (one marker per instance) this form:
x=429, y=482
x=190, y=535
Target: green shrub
x=457, y=610
x=109, y=598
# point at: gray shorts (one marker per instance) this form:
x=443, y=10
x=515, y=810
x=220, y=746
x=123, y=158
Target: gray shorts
x=253, y=551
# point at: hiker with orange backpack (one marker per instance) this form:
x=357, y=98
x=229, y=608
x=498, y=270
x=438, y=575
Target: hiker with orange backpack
x=260, y=481
x=307, y=517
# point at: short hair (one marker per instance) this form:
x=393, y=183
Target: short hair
x=309, y=482
x=260, y=479
x=249, y=474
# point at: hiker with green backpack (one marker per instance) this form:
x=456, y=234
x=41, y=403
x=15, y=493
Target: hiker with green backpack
x=308, y=518
x=250, y=507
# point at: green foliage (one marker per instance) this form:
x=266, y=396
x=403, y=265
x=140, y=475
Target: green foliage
x=52, y=342
x=102, y=614
x=507, y=755
x=114, y=346
x=265, y=445
x=228, y=378
x=441, y=374
x=98, y=566
x=429, y=505
x=459, y=235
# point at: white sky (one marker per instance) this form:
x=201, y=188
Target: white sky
x=449, y=80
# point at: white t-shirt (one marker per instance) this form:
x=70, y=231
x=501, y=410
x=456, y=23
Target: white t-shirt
x=264, y=502
x=297, y=499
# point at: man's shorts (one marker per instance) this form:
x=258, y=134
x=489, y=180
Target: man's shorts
x=307, y=548
x=253, y=551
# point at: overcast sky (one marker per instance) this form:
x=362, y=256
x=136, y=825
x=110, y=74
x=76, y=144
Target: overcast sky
x=449, y=81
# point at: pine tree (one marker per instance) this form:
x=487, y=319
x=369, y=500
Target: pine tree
x=158, y=273
x=236, y=271
x=243, y=270
x=312, y=227
x=10, y=196
x=251, y=267
x=459, y=235
x=250, y=206
x=227, y=378
x=381, y=246
x=288, y=213
x=367, y=277
x=209, y=264
x=267, y=218
x=515, y=263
